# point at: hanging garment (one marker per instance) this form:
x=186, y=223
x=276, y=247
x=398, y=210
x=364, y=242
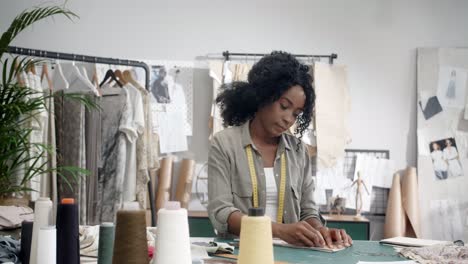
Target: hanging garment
x=71, y=149
x=113, y=153
x=93, y=158
x=216, y=73
x=38, y=135
x=240, y=72
x=224, y=72
x=145, y=151
x=132, y=126
x=49, y=180
x=332, y=110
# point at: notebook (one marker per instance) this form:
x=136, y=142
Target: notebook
x=412, y=242
x=282, y=243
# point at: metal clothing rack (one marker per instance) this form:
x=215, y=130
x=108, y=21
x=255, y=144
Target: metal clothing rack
x=330, y=57
x=93, y=59
x=83, y=58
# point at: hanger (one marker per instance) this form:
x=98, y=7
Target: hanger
x=31, y=67
x=59, y=82
x=110, y=75
x=45, y=74
x=119, y=75
x=77, y=76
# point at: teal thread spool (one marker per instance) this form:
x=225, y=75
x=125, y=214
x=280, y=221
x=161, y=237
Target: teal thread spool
x=106, y=243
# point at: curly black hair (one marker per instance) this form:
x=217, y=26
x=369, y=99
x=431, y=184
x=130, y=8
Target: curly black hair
x=268, y=79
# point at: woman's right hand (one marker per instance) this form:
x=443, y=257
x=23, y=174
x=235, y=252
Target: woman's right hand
x=300, y=234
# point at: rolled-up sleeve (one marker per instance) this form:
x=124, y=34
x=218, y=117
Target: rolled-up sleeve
x=308, y=206
x=220, y=200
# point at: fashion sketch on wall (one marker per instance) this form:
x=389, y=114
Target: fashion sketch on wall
x=451, y=89
x=445, y=159
x=159, y=84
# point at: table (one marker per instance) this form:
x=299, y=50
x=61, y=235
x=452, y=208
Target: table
x=200, y=225
x=360, y=251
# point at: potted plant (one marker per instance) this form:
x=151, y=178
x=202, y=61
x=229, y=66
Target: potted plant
x=20, y=159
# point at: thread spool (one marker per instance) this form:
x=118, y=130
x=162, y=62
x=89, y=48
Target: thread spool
x=68, y=245
x=172, y=236
x=130, y=244
x=164, y=182
x=47, y=247
x=184, y=183
x=26, y=238
x=42, y=218
x=106, y=243
x=256, y=242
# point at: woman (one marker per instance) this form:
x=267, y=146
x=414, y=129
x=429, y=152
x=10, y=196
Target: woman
x=256, y=160
x=440, y=165
x=451, y=156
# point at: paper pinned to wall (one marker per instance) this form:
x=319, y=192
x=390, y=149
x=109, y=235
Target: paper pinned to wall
x=172, y=137
x=451, y=89
x=332, y=178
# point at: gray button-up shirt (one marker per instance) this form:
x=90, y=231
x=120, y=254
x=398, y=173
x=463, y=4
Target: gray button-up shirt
x=230, y=186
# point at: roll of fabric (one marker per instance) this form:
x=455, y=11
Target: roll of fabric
x=164, y=182
x=130, y=244
x=409, y=196
x=106, y=243
x=47, y=247
x=395, y=222
x=42, y=218
x=26, y=237
x=184, y=183
x=68, y=245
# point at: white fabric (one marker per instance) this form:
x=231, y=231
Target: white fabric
x=178, y=103
x=454, y=167
x=38, y=124
x=216, y=72
x=271, y=208
x=332, y=109
x=133, y=124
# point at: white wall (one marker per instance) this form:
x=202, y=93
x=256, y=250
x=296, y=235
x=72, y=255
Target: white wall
x=377, y=39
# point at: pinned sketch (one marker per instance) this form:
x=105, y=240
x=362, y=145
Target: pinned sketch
x=171, y=85
x=332, y=178
x=446, y=215
x=431, y=108
x=172, y=138
x=445, y=159
x=451, y=90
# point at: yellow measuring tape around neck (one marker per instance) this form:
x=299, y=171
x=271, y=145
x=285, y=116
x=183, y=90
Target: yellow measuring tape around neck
x=253, y=178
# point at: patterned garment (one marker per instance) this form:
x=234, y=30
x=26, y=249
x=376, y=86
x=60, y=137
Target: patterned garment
x=93, y=158
x=437, y=254
x=112, y=162
x=71, y=149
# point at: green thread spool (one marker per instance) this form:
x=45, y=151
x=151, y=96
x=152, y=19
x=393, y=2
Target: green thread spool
x=106, y=243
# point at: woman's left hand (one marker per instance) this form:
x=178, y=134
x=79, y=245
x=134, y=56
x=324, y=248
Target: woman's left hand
x=335, y=237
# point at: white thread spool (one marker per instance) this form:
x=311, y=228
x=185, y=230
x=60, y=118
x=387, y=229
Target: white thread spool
x=42, y=218
x=47, y=246
x=172, y=236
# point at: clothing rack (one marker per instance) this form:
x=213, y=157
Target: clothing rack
x=93, y=59
x=330, y=57
x=83, y=58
